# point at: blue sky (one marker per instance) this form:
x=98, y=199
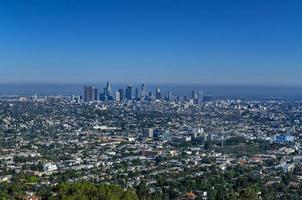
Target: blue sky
x=151, y=41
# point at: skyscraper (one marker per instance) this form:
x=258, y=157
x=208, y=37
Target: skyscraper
x=143, y=92
x=136, y=94
x=129, y=92
x=95, y=94
x=150, y=96
x=107, y=92
x=170, y=96
x=200, y=97
x=195, y=97
x=88, y=93
x=108, y=88
x=157, y=93
x=122, y=97
x=117, y=96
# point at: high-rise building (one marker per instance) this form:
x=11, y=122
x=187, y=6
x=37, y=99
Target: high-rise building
x=157, y=93
x=200, y=97
x=108, y=92
x=108, y=88
x=117, y=96
x=143, y=92
x=150, y=96
x=104, y=97
x=122, y=97
x=129, y=95
x=136, y=94
x=95, y=94
x=195, y=97
x=170, y=96
x=88, y=93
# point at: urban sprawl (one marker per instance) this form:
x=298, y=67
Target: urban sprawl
x=137, y=144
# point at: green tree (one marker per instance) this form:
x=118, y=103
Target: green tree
x=249, y=194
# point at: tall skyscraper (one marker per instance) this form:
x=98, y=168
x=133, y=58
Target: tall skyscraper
x=95, y=94
x=150, y=96
x=107, y=92
x=157, y=93
x=143, y=92
x=117, y=96
x=170, y=96
x=129, y=95
x=200, y=97
x=195, y=97
x=136, y=94
x=122, y=96
x=108, y=88
x=88, y=93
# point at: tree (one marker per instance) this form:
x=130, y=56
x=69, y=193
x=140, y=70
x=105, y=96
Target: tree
x=221, y=193
x=142, y=190
x=86, y=190
x=232, y=196
x=249, y=194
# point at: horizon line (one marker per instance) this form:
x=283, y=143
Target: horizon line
x=153, y=83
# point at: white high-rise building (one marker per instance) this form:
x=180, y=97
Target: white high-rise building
x=117, y=96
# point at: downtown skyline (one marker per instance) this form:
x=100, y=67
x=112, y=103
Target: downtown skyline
x=150, y=99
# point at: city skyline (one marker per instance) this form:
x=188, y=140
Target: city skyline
x=222, y=91
x=150, y=100
x=136, y=93
x=234, y=42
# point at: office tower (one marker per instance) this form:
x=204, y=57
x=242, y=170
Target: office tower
x=88, y=93
x=129, y=92
x=143, y=92
x=95, y=94
x=150, y=96
x=157, y=93
x=195, y=97
x=117, y=96
x=136, y=94
x=104, y=96
x=108, y=87
x=122, y=97
x=170, y=96
x=107, y=92
x=200, y=97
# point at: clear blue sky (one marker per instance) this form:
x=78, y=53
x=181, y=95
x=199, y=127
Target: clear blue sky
x=152, y=41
